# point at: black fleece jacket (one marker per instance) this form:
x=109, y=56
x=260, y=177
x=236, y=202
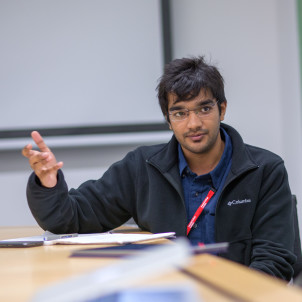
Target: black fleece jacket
x=253, y=213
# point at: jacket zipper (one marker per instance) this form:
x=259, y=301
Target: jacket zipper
x=174, y=185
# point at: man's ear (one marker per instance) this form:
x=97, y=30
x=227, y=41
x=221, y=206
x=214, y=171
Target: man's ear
x=167, y=120
x=223, y=107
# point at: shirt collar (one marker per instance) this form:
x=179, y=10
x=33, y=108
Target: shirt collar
x=216, y=174
x=182, y=163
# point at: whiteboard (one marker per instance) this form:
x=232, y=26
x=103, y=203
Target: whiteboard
x=74, y=63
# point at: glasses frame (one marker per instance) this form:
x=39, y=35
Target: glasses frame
x=194, y=110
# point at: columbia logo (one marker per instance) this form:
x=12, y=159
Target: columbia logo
x=235, y=202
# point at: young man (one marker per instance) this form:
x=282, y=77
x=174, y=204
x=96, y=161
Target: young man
x=245, y=188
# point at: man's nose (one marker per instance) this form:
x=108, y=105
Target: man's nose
x=193, y=120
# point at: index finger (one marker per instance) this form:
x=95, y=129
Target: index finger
x=36, y=136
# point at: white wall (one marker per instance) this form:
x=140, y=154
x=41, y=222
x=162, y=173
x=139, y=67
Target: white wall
x=254, y=43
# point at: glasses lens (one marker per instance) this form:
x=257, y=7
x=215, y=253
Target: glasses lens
x=205, y=109
x=178, y=115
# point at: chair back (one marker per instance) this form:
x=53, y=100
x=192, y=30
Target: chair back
x=297, y=244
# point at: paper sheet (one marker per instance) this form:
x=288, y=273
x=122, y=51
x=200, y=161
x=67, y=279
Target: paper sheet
x=99, y=238
x=107, y=238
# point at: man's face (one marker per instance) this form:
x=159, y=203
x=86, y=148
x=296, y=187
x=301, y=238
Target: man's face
x=196, y=134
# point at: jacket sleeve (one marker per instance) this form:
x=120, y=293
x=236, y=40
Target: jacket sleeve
x=272, y=227
x=96, y=206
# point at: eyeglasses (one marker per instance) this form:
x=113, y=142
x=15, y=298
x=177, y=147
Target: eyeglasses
x=203, y=111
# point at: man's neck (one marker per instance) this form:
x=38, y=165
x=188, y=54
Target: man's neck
x=205, y=162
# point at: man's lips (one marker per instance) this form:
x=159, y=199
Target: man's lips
x=196, y=136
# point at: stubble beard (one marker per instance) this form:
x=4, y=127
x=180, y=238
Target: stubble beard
x=204, y=148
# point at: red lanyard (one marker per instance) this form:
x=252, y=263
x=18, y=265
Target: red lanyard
x=199, y=210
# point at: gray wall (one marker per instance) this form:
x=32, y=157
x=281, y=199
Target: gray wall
x=71, y=60
x=255, y=45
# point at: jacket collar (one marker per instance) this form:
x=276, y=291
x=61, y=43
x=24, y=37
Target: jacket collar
x=166, y=157
x=241, y=159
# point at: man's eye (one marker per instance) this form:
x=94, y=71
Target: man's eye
x=205, y=109
x=179, y=113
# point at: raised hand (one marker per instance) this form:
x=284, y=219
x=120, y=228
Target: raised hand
x=43, y=162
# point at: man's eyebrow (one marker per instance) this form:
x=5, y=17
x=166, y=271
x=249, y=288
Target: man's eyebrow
x=200, y=103
x=173, y=108
x=206, y=102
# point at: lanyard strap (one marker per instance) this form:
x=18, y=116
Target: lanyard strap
x=200, y=209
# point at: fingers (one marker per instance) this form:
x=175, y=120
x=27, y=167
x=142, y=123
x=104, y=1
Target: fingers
x=49, y=170
x=37, y=158
x=43, y=161
x=26, y=151
x=36, y=136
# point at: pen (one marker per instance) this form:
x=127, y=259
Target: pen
x=221, y=247
x=50, y=236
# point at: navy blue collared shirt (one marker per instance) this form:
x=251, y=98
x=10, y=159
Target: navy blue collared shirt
x=196, y=188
